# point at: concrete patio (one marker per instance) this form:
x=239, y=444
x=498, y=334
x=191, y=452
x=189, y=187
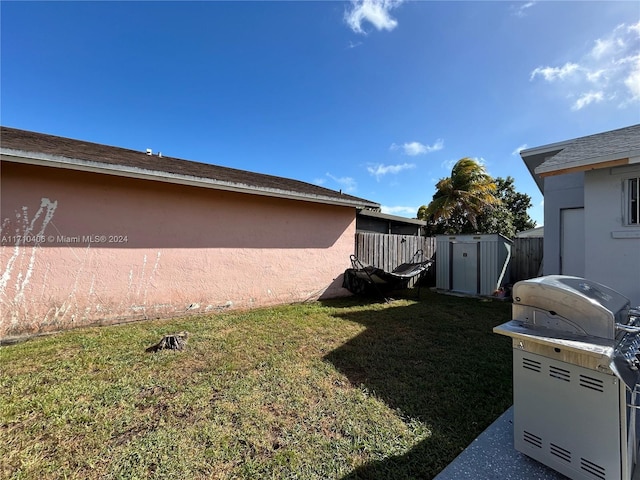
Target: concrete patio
x=491, y=456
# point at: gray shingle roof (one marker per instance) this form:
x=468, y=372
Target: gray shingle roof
x=588, y=152
x=66, y=152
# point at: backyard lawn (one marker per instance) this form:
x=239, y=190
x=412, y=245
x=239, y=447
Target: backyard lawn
x=344, y=389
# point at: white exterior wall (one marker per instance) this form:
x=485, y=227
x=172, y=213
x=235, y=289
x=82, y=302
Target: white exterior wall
x=560, y=192
x=612, y=249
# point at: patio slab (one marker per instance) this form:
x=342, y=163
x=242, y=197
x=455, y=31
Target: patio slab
x=492, y=456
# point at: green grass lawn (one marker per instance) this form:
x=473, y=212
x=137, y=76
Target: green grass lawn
x=341, y=389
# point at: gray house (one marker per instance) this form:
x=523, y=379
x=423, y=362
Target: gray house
x=592, y=207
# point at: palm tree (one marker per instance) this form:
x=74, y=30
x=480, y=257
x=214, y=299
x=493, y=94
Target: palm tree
x=460, y=198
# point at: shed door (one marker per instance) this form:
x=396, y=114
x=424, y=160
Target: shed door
x=572, y=241
x=464, y=267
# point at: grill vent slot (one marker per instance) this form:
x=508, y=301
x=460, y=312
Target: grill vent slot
x=592, y=383
x=593, y=468
x=560, y=452
x=532, y=365
x=532, y=439
x=559, y=373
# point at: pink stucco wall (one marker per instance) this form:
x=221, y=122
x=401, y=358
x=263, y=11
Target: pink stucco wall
x=156, y=249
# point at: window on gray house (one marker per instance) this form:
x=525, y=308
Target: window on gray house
x=634, y=202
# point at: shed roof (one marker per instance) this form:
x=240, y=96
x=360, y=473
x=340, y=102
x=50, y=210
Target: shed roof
x=24, y=146
x=602, y=150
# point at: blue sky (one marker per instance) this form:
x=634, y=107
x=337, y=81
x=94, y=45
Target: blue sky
x=377, y=98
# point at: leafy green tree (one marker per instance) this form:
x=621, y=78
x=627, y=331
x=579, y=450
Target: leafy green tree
x=510, y=216
x=517, y=202
x=498, y=219
x=460, y=199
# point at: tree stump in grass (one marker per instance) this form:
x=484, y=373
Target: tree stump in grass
x=177, y=341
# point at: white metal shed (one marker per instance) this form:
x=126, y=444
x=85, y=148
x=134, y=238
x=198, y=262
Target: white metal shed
x=473, y=264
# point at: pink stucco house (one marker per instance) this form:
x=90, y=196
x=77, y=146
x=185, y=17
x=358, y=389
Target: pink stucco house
x=94, y=234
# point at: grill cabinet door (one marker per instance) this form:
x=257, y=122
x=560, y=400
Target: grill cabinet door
x=567, y=417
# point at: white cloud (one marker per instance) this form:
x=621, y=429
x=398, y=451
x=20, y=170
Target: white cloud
x=521, y=9
x=597, y=76
x=319, y=181
x=602, y=47
x=448, y=164
x=348, y=184
x=609, y=70
x=517, y=151
x=416, y=148
x=587, y=98
x=376, y=12
x=379, y=170
x=632, y=82
x=555, y=73
x=410, y=212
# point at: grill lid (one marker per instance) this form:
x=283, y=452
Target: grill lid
x=578, y=321
x=570, y=304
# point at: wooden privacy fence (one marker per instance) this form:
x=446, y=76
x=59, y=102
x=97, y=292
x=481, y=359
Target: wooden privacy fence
x=388, y=251
x=526, y=258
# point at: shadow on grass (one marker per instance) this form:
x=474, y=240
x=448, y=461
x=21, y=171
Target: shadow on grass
x=436, y=361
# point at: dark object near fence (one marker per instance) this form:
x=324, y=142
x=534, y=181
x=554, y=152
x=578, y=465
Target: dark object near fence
x=177, y=341
x=360, y=278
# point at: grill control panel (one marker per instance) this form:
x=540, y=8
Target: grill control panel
x=626, y=359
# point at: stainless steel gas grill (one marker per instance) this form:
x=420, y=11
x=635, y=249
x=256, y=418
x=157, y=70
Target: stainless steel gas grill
x=576, y=360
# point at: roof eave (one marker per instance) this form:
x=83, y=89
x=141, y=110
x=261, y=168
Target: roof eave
x=594, y=163
x=548, y=148
x=534, y=157
x=35, y=158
